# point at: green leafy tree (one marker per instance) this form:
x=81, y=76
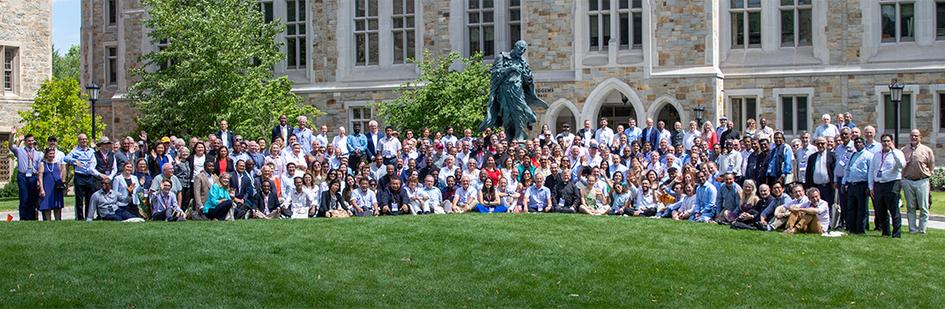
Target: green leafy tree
x=59, y=109
x=216, y=66
x=67, y=65
x=441, y=96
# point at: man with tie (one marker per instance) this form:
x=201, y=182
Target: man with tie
x=855, y=183
x=920, y=162
x=27, y=169
x=225, y=135
x=374, y=137
x=884, y=183
x=242, y=184
x=87, y=178
x=820, y=174
x=283, y=130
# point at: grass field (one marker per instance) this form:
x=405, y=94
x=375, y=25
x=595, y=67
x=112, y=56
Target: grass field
x=459, y=261
x=14, y=204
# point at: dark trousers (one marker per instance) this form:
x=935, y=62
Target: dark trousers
x=85, y=186
x=29, y=196
x=219, y=212
x=856, y=212
x=562, y=209
x=186, y=197
x=827, y=193
x=119, y=215
x=842, y=200
x=886, y=203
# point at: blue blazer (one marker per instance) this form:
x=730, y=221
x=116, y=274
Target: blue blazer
x=278, y=133
x=370, y=143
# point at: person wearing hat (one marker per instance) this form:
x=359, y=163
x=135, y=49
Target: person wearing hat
x=105, y=158
x=566, y=135
x=723, y=126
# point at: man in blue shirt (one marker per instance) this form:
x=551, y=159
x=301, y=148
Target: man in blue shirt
x=537, y=197
x=779, y=164
x=357, y=147
x=87, y=178
x=855, y=183
x=27, y=169
x=706, y=196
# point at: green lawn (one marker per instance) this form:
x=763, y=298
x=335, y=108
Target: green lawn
x=14, y=204
x=459, y=261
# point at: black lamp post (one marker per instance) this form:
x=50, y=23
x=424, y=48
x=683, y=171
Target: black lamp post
x=895, y=95
x=700, y=111
x=92, y=90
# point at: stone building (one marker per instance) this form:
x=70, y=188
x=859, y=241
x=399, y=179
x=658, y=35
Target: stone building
x=787, y=61
x=25, y=61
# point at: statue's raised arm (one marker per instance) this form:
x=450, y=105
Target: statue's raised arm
x=512, y=95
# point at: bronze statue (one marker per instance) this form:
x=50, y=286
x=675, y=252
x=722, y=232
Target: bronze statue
x=512, y=95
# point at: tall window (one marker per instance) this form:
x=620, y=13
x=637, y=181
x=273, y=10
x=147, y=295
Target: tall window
x=941, y=110
x=480, y=24
x=742, y=109
x=794, y=114
x=631, y=23
x=265, y=6
x=366, y=32
x=403, y=30
x=598, y=19
x=112, y=66
x=111, y=8
x=940, y=20
x=898, y=20
x=295, y=46
x=515, y=21
x=795, y=23
x=360, y=115
x=162, y=45
x=905, y=114
x=9, y=67
x=746, y=23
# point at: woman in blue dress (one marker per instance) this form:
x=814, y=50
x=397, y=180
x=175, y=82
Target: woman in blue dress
x=50, y=173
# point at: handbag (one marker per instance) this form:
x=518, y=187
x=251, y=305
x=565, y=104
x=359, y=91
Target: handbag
x=60, y=186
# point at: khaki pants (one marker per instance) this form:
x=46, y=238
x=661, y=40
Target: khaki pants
x=804, y=223
x=781, y=215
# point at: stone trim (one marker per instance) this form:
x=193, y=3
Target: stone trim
x=880, y=92
x=936, y=131
x=662, y=101
x=596, y=99
x=554, y=110
x=776, y=94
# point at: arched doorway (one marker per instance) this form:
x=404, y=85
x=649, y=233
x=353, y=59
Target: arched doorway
x=617, y=109
x=560, y=112
x=668, y=115
x=565, y=116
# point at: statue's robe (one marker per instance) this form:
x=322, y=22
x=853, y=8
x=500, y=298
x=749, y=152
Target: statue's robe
x=511, y=98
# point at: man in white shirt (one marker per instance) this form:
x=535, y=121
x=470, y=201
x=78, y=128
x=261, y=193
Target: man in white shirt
x=448, y=139
x=810, y=217
x=390, y=146
x=730, y=160
x=431, y=198
x=690, y=136
x=298, y=202
x=465, y=198
x=363, y=200
x=322, y=136
x=604, y=135
x=884, y=183
x=802, y=153
x=826, y=129
x=340, y=142
x=566, y=136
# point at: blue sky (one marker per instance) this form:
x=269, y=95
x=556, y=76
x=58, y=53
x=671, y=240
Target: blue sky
x=66, y=23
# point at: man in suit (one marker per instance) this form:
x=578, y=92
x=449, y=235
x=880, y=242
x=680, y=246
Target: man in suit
x=266, y=202
x=283, y=130
x=820, y=173
x=227, y=137
x=586, y=133
x=374, y=137
x=242, y=184
x=650, y=134
x=205, y=179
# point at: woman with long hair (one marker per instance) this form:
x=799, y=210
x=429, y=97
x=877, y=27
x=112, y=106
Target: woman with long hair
x=51, y=186
x=489, y=199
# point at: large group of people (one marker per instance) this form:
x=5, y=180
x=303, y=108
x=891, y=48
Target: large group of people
x=756, y=179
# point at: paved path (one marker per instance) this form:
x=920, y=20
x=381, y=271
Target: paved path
x=68, y=213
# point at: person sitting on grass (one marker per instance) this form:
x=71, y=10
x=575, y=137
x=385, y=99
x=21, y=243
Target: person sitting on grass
x=537, y=198
x=394, y=200
x=620, y=200
x=810, y=217
x=728, y=199
x=684, y=207
x=218, y=201
x=432, y=198
x=777, y=198
x=164, y=204
x=298, y=202
x=595, y=196
x=646, y=202
x=706, y=196
x=489, y=200
x=569, y=196
x=783, y=212
x=465, y=198
x=332, y=204
x=751, y=204
x=105, y=203
x=267, y=202
x=363, y=200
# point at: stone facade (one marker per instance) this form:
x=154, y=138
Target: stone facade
x=26, y=31
x=687, y=58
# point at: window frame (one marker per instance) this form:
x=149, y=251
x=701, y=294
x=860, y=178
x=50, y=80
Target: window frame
x=795, y=9
x=745, y=11
x=13, y=70
x=898, y=38
x=300, y=37
x=481, y=24
x=880, y=93
x=407, y=31
x=111, y=12
x=351, y=106
x=111, y=65
x=939, y=22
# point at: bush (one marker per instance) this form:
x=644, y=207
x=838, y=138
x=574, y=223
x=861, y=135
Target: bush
x=937, y=181
x=10, y=189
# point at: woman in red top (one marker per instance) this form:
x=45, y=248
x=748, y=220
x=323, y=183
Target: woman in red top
x=708, y=135
x=491, y=171
x=224, y=163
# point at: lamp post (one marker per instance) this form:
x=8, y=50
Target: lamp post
x=92, y=90
x=895, y=95
x=700, y=111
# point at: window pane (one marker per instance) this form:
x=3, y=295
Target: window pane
x=907, y=22
x=637, y=4
x=488, y=41
x=372, y=7
x=624, y=4
x=359, y=9
x=474, y=18
x=606, y=28
x=398, y=7
x=594, y=32
x=624, y=30
x=738, y=30
x=804, y=27
x=940, y=20
x=301, y=10
x=905, y=113
x=592, y=5
x=474, y=41
x=737, y=112
x=290, y=11
x=290, y=51
x=787, y=113
x=360, y=49
x=473, y=4
x=754, y=3
x=941, y=110
x=515, y=15
x=410, y=45
x=801, y=116
x=787, y=2
x=372, y=48
x=803, y=2
x=487, y=17
x=754, y=28
x=738, y=4
x=605, y=4
x=889, y=116
x=888, y=22
x=751, y=109
x=398, y=47
x=637, y=29
x=515, y=33
x=487, y=4
x=398, y=22
x=409, y=7
x=787, y=28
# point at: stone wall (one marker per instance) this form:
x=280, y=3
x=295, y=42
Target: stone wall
x=681, y=30
x=549, y=33
x=26, y=26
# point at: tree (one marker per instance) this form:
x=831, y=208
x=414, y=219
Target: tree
x=66, y=66
x=216, y=66
x=59, y=109
x=441, y=96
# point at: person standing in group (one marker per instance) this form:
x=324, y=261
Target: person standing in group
x=27, y=174
x=51, y=186
x=86, y=179
x=920, y=162
x=855, y=182
x=885, y=185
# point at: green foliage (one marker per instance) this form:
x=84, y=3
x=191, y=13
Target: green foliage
x=67, y=65
x=60, y=109
x=937, y=181
x=441, y=96
x=10, y=189
x=220, y=54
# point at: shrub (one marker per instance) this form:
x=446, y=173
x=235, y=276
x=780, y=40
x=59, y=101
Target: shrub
x=937, y=181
